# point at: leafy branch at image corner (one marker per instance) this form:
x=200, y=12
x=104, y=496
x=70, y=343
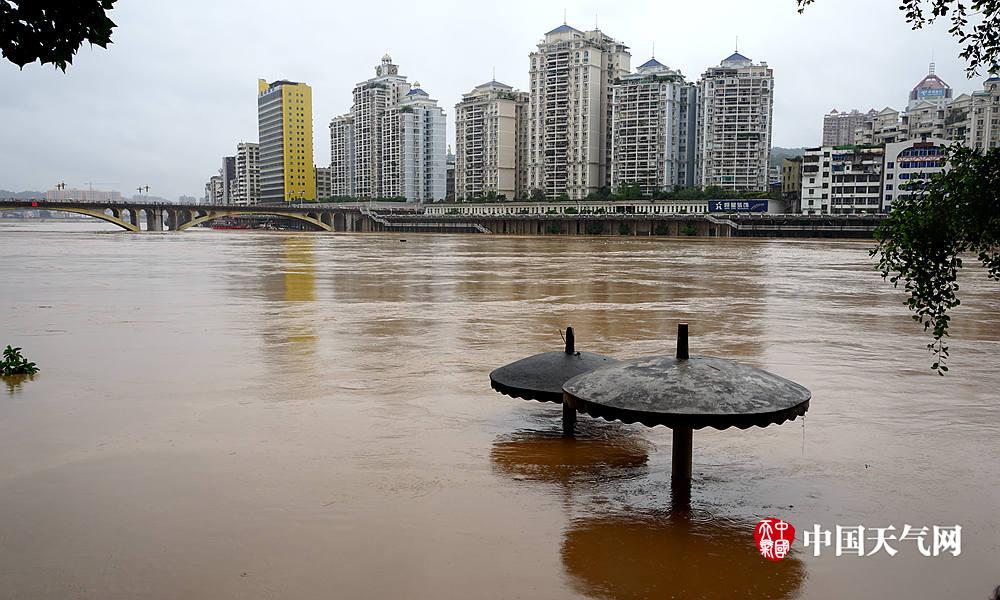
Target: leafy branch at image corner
x=51, y=31
x=975, y=23
x=922, y=240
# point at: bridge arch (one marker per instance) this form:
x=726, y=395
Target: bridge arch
x=197, y=219
x=97, y=214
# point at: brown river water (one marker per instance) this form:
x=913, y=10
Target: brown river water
x=274, y=415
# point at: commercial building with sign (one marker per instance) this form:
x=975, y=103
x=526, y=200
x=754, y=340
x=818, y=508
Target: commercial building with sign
x=909, y=164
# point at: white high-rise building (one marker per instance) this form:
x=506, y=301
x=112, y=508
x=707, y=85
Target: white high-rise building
x=414, y=149
x=839, y=128
x=324, y=184
x=984, y=116
x=882, y=127
x=653, y=130
x=372, y=98
x=246, y=191
x=736, y=102
x=490, y=144
x=342, y=156
x=569, y=111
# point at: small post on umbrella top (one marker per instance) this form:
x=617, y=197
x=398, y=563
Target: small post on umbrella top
x=682, y=341
x=680, y=474
x=570, y=341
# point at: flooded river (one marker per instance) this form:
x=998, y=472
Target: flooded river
x=270, y=415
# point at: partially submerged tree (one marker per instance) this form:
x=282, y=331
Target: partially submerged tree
x=921, y=242
x=976, y=24
x=51, y=31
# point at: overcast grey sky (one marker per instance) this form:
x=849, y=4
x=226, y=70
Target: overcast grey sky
x=177, y=90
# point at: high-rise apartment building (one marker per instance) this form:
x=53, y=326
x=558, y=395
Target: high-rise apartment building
x=569, y=111
x=984, y=116
x=881, y=128
x=735, y=105
x=653, y=129
x=414, y=149
x=391, y=143
x=324, y=183
x=342, y=156
x=228, y=173
x=490, y=142
x=356, y=138
x=839, y=127
x=246, y=191
x=213, y=190
x=284, y=122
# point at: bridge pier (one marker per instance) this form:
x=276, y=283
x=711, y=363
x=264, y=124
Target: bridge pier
x=154, y=220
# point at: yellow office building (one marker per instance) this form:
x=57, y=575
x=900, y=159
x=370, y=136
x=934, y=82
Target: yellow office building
x=284, y=123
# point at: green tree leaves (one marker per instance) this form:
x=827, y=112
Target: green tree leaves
x=921, y=243
x=13, y=363
x=51, y=31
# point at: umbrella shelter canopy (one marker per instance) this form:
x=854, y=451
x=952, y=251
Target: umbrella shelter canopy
x=541, y=377
x=697, y=392
x=686, y=393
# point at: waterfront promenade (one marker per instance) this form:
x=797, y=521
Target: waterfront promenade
x=622, y=220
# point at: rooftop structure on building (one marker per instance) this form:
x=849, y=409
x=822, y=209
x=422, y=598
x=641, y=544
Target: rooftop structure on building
x=931, y=89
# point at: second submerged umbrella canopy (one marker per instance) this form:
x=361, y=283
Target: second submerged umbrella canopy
x=695, y=392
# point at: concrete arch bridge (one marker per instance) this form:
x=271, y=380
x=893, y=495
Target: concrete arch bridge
x=138, y=217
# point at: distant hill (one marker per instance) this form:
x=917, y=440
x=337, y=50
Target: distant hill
x=21, y=195
x=778, y=154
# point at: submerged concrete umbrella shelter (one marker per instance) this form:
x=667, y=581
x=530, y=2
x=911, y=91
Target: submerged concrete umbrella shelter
x=686, y=393
x=541, y=377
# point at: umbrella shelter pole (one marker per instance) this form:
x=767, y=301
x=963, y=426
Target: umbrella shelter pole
x=569, y=413
x=568, y=418
x=680, y=468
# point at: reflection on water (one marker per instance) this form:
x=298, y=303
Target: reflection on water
x=665, y=555
x=13, y=382
x=670, y=553
x=598, y=452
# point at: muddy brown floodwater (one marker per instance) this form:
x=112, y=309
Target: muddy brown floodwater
x=267, y=415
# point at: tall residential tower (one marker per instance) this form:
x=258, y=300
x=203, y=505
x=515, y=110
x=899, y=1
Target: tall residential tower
x=490, y=142
x=734, y=124
x=569, y=111
x=653, y=129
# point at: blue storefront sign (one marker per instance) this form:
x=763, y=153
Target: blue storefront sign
x=737, y=206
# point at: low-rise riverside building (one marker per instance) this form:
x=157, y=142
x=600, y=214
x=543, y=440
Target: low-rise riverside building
x=842, y=180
